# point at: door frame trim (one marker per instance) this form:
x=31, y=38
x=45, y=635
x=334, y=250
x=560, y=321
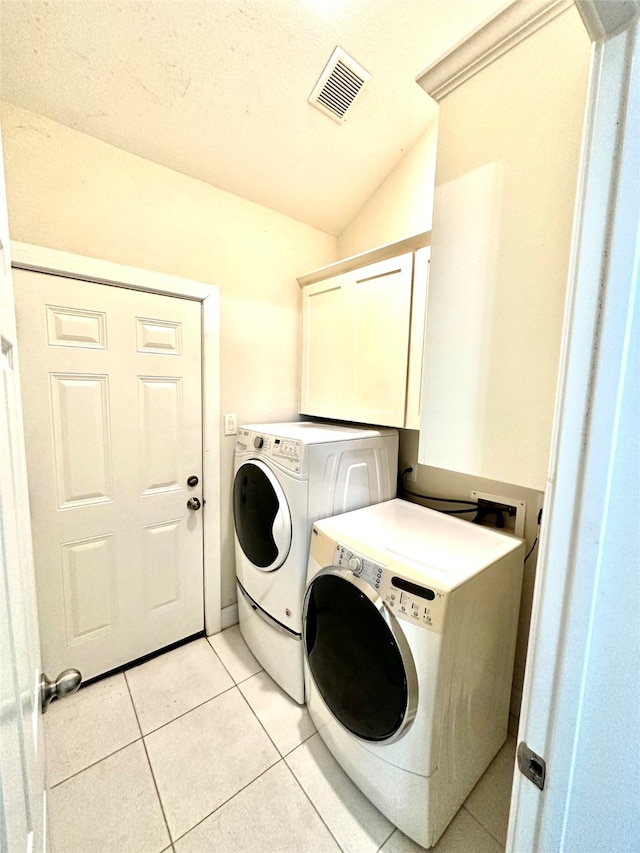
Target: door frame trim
x=54, y=262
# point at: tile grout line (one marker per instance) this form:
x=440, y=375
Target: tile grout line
x=184, y=713
x=231, y=676
x=133, y=704
x=264, y=728
x=235, y=686
x=228, y=800
x=302, y=742
x=248, y=678
x=153, y=777
x=479, y=822
x=226, y=669
x=280, y=758
x=283, y=758
x=394, y=828
x=312, y=804
x=94, y=763
x=199, y=705
x=260, y=722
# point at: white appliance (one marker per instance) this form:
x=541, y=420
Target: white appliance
x=287, y=476
x=410, y=621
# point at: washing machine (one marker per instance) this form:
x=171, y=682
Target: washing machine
x=409, y=630
x=287, y=475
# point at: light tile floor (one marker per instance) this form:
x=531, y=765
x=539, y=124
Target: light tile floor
x=198, y=750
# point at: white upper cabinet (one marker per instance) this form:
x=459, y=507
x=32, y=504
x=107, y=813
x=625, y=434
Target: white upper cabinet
x=507, y=164
x=358, y=329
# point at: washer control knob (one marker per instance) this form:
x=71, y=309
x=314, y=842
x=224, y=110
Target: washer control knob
x=355, y=564
x=258, y=441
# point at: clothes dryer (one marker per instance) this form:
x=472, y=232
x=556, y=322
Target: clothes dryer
x=410, y=621
x=287, y=475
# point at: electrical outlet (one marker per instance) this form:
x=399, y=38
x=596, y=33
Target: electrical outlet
x=230, y=425
x=514, y=510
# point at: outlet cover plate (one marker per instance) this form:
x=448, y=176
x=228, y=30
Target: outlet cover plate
x=519, y=506
x=230, y=424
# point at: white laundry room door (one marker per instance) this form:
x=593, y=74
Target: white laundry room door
x=111, y=385
x=22, y=786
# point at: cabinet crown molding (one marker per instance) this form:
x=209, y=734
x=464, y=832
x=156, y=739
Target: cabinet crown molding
x=372, y=256
x=487, y=43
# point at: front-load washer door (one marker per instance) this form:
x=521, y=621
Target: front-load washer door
x=358, y=656
x=261, y=516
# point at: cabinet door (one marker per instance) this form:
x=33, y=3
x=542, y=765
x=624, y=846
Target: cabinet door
x=326, y=356
x=502, y=221
x=380, y=315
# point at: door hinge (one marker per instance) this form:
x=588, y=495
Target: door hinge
x=531, y=765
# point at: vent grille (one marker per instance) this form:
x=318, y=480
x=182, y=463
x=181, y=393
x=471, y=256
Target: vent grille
x=339, y=85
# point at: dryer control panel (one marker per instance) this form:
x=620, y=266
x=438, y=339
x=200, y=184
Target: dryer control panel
x=286, y=451
x=407, y=599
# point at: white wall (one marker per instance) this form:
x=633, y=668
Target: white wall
x=451, y=484
x=401, y=207
x=71, y=192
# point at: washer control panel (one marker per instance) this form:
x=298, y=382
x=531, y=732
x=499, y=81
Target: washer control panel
x=407, y=599
x=286, y=451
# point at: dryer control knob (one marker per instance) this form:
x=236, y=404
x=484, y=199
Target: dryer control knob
x=355, y=564
x=258, y=441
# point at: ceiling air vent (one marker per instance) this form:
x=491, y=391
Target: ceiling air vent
x=339, y=85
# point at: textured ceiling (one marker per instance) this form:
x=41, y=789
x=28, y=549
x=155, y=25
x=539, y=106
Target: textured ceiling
x=218, y=89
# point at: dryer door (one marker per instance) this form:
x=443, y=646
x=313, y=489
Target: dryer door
x=261, y=516
x=358, y=656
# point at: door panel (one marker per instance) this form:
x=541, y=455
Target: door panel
x=69, y=328
x=160, y=402
x=81, y=438
x=88, y=576
x=160, y=337
x=161, y=564
x=113, y=426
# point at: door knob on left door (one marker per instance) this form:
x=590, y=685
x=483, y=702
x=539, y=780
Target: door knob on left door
x=193, y=503
x=66, y=683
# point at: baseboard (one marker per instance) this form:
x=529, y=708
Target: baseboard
x=229, y=615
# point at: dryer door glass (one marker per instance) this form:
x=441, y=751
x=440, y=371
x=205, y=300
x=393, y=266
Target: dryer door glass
x=354, y=659
x=261, y=516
